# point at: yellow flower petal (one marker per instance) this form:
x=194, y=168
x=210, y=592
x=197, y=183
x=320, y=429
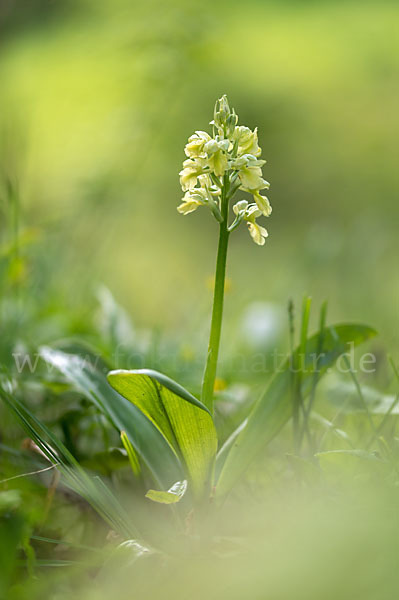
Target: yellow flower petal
x=240, y=206
x=263, y=204
x=257, y=233
x=188, y=207
x=251, y=178
x=195, y=146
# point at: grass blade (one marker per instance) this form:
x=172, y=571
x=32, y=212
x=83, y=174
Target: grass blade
x=274, y=408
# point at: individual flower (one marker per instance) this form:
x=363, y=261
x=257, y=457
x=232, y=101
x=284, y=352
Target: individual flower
x=247, y=141
x=195, y=146
x=216, y=156
x=191, y=200
x=250, y=173
x=257, y=232
x=249, y=213
x=263, y=204
x=189, y=175
x=205, y=194
x=240, y=207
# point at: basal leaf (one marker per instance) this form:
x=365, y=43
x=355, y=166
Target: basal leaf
x=182, y=419
x=147, y=440
x=173, y=386
x=274, y=408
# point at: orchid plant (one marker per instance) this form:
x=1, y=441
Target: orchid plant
x=168, y=435
x=216, y=169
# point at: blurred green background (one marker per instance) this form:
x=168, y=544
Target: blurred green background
x=97, y=100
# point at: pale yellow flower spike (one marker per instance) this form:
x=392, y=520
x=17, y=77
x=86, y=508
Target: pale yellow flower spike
x=218, y=165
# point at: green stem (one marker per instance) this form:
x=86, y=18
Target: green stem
x=217, y=311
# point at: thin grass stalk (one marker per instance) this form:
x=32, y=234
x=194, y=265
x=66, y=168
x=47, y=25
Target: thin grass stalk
x=315, y=379
x=298, y=406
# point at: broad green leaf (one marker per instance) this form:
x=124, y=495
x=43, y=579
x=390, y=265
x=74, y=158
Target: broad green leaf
x=173, y=495
x=182, y=419
x=274, y=408
x=171, y=385
x=145, y=437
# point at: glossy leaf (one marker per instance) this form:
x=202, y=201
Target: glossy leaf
x=274, y=408
x=183, y=420
x=171, y=385
x=145, y=437
x=173, y=495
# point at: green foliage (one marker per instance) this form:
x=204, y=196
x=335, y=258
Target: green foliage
x=145, y=438
x=183, y=420
x=94, y=491
x=12, y=531
x=275, y=407
x=309, y=472
x=132, y=454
